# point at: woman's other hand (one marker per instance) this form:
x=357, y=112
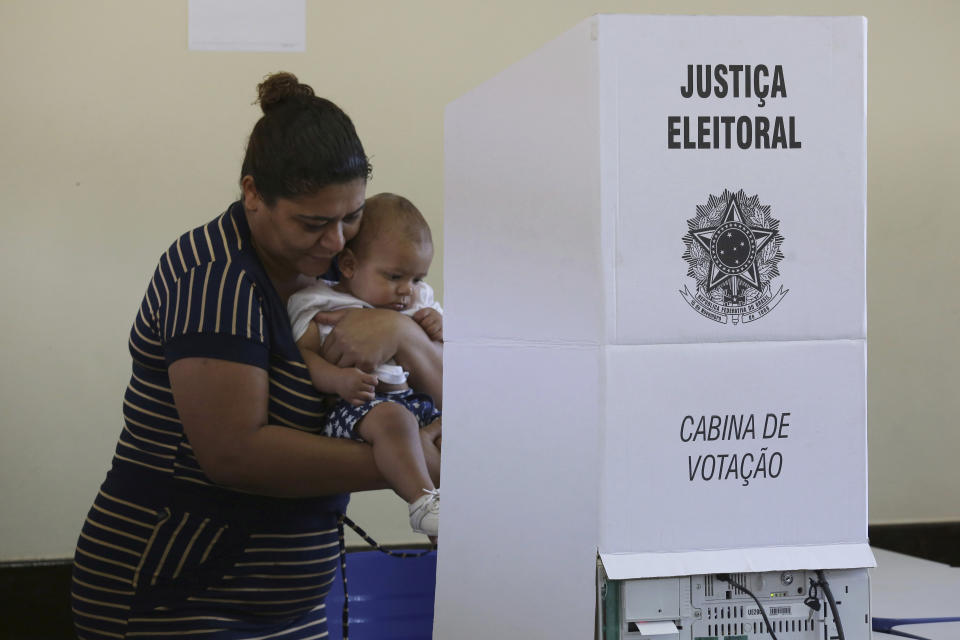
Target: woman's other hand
x=430, y=437
x=434, y=432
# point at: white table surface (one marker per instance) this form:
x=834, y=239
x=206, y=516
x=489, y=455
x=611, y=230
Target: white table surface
x=907, y=587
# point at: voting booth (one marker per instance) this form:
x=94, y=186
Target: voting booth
x=655, y=357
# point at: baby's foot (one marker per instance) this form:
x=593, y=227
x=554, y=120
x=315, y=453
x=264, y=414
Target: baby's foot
x=425, y=513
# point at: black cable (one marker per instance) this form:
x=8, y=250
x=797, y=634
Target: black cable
x=822, y=581
x=813, y=596
x=726, y=578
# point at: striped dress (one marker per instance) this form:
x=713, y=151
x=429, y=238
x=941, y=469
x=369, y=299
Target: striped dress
x=165, y=553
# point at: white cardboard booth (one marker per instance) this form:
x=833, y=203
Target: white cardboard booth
x=655, y=316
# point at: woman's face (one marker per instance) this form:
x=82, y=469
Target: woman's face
x=302, y=235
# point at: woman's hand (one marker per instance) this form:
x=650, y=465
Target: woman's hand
x=361, y=338
x=366, y=338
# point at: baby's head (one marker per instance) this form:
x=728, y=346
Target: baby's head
x=390, y=254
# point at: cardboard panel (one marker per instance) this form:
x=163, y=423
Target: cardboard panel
x=622, y=566
x=579, y=194
x=521, y=186
x=520, y=483
x=734, y=445
x=775, y=235
x=588, y=403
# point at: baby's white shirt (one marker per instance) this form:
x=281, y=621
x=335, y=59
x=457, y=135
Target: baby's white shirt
x=306, y=303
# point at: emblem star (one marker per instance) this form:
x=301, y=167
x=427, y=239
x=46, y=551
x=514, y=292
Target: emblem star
x=734, y=247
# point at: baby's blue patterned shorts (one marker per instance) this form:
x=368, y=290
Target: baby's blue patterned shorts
x=343, y=419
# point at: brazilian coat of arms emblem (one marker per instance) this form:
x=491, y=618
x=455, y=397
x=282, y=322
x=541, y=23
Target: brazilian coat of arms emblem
x=733, y=253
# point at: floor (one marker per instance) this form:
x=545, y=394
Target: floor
x=902, y=587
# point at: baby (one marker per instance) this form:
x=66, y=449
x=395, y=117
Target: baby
x=383, y=266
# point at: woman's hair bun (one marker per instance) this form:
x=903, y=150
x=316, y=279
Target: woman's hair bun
x=279, y=88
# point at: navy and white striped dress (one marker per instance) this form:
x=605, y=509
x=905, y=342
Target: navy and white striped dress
x=164, y=552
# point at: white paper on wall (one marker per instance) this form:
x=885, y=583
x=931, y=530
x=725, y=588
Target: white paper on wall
x=247, y=25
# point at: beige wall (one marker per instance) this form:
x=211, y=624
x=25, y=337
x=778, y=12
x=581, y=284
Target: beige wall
x=115, y=139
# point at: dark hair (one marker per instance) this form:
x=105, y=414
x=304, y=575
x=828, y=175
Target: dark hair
x=389, y=213
x=302, y=143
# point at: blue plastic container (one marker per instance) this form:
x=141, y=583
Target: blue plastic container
x=390, y=598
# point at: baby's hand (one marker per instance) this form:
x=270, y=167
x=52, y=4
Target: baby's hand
x=356, y=386
x=431, y=321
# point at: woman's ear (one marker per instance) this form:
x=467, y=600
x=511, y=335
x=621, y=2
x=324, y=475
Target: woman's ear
x=347, y=262
x=251, y=197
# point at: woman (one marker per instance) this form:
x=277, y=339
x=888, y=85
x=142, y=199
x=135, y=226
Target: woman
x=218, y=518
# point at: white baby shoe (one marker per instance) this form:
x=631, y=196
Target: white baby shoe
x=425, y=513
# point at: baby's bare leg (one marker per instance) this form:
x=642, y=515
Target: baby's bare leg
x=397, y=449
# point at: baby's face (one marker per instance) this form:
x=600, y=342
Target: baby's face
x=386, y=275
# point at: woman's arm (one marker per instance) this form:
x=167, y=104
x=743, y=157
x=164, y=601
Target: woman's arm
x=223, y=408
x=366, y=338
x=350, y=383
